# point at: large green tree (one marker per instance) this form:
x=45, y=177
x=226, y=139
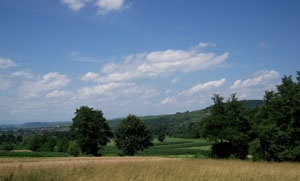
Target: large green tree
x=90, y=129
x=132, y=135
x=278, y=124
x=228, y=126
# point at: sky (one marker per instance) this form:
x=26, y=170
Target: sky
x=142, y=57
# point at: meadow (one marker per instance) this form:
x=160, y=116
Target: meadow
x=143, y=168
x=171, y=147
x=173, y=159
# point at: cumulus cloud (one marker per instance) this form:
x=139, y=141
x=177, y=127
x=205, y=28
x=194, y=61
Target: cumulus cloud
x=48, y=82
x=206, y=44
x=256, y=84
x=174, y=81
x=59, y=93
x=156, y=64
x=104, y=6
x=75, y=5
x=168, y=100
x=99, y=89
x=22, y=73
x=4, y=83
x=203, y=87
x=6, y=63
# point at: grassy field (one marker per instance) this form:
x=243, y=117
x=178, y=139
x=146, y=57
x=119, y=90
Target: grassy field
x=171, y=147
x=143, y=168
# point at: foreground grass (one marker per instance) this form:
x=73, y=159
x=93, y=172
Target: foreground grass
x=143, y=168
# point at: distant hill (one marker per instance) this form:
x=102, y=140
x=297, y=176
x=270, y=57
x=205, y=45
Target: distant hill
x=167, y=123
x=44, y=124
x=30, y=125
x=158, y=123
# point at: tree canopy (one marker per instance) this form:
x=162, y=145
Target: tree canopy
x=90, y=129
x=132, y=135
x=278, y=124
x=228, y=126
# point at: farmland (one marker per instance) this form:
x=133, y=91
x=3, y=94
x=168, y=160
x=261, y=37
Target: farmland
x=143, y=168
x=173, y=159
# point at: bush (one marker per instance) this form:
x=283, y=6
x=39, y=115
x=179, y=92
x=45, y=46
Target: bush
x=8, y=147
x=73, y=149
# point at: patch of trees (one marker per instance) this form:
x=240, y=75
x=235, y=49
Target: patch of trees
x=132, y=135
x=91, y=131
x=8, y=140
x=48, y=142
x=271, y=132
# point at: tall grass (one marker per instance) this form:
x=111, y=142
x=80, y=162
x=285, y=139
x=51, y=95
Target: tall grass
x=143, y=168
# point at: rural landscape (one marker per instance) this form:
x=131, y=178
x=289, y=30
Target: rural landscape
x=149, y=90
x=239, y=140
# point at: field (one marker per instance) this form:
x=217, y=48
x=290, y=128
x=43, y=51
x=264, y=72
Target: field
x=171, y=147
x=143, y=168
x=173, y=159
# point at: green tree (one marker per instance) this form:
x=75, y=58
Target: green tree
x=228, y=126
x=132, y=135
x=8, y=146
x=62, y=145
x=35, y=142
x=73, y=148
x=278, y=124
x=161, y=137
x=90, y=129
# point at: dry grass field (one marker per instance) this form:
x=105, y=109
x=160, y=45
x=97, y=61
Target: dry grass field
x=143, y=168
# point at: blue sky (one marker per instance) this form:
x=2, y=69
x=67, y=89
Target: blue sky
x=140, y=57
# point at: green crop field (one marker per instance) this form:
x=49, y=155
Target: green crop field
x=171, y=147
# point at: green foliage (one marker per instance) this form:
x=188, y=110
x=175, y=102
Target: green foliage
x=73, y=148
x=8, y=146
x=161, y=137
x=132, y=135
x=35, y=142
x=62, y=145
x=187, y=130
x=278, y=124
x=227, y=123
x=5, y=154
x=90, y=129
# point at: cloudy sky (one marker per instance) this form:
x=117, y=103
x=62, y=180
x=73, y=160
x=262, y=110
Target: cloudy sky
x=140, y=57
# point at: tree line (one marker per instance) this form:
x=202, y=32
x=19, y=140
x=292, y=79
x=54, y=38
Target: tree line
x=268, y=132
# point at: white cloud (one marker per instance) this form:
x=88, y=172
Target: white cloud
x=58, y=93
x=4, y=83
x=203, y=87
x=174, y=81
x=156, y=64
x=48, y=82
x=168, y=100
x=255, y=86
x=100, y=89
x=75, y=5
x=150, y=93
x=106, y=6
x=22, y=73
x=206, y=44
x=6, y=63
x=90, y=76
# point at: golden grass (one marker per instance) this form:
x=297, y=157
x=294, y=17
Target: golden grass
x=143, y=168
